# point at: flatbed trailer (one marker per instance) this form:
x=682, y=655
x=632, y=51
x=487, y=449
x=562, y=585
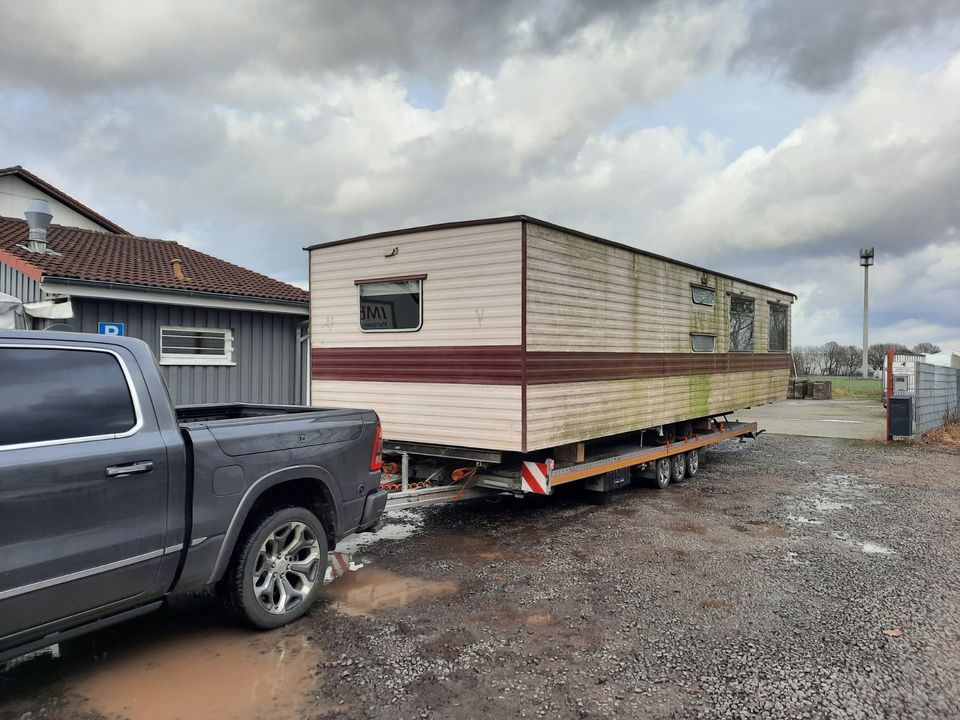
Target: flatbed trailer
x=418, y=474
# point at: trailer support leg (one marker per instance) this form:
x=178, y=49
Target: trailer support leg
x=404, y=472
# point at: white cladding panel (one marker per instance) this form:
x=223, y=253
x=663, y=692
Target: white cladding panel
x=583, y=295
x=462, y=415
x=471, y=295
x=587, y=296
x=563, y=413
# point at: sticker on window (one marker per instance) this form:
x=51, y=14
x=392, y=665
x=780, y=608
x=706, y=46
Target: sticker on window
x=390, y=306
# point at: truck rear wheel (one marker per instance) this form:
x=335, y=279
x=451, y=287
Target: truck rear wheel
x=693, y=463
x=278, y=569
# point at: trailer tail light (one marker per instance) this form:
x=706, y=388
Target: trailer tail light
x=376, y=456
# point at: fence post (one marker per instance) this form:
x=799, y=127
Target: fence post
x=889, y=437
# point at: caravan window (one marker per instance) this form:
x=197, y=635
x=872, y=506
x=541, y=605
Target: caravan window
x=741, y=324
x=702, y=343
x=392, y=305
x=779, y=321
x=703, y=295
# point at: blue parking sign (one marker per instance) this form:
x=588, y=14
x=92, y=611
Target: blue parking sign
x=110, y=328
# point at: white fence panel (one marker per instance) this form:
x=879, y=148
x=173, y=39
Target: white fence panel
x=936, y=396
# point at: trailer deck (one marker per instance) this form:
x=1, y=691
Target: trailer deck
x=540, y=477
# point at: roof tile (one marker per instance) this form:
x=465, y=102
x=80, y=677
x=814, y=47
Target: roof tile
x=131, y=260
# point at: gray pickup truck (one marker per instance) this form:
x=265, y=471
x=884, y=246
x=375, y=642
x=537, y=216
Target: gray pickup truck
x=111, y=499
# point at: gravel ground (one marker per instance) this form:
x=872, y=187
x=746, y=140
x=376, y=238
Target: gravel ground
x=794, y=577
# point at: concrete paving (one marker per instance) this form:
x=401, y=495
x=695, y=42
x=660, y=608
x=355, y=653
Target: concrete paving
x=849, y=419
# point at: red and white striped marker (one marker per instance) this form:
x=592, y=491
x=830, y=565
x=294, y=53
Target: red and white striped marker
x=339, y=565
x=534, y=478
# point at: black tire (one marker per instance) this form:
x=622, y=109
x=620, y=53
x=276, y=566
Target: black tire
x=661, y=473
x=236, y=589
x=693, y=463
x=678, y=467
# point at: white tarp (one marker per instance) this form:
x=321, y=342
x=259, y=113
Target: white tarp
x=50, y=309
x=10, y=312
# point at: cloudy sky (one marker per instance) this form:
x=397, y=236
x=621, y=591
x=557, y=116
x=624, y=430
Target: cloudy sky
x=769, y=140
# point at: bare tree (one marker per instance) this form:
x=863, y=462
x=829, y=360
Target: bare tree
x=833, y=358
x=804, y=357
x=877, y=353
x=926, y=347
x=854, y=360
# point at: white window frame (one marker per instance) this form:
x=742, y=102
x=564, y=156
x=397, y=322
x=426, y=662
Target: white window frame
x=173, y=358
x=418, y=279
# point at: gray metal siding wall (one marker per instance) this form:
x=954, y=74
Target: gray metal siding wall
x=936, y=396
x=265, y=349
x=13, y=282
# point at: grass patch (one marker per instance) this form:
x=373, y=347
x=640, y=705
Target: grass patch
x=854, y=388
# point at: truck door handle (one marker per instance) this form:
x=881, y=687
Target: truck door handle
x=136, y=468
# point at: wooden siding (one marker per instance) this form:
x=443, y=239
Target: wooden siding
x=563, y=413
x=265, y=351
x=477, y=416
x=587, y=296
x=470, y=297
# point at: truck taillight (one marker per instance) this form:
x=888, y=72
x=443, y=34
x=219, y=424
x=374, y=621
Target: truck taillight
x=376, y=457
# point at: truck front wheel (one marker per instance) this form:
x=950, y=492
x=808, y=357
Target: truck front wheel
x=277, y=570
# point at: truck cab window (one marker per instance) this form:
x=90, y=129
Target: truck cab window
x=52, y=395
x=391, y=306
x=741, y=324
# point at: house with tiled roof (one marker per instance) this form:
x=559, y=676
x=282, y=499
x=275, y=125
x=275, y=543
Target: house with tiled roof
x=18, y=186
x=220, y=332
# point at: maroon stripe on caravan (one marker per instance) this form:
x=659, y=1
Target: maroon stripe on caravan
x=482, y=365
x=504, y=365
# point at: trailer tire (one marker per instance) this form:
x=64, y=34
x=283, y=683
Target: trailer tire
x=693, y=463
x=661, y=473
x=293, y=540
x=678, y=467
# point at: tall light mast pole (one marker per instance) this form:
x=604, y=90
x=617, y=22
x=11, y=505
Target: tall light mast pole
x=866, y=260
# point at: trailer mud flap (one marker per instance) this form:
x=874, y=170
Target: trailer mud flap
x=535, y=478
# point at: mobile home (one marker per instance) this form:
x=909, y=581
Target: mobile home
x=520, y=336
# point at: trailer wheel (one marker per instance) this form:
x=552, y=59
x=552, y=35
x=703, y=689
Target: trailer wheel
x=693, y=463
x=278, y=569
x=678, y=467
x=661, y=473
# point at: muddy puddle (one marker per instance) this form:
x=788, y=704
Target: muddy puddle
x=190, y=665
x=220, y=674
x=373, y=590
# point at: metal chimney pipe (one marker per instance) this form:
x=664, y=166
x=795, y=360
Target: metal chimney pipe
x=38, y=217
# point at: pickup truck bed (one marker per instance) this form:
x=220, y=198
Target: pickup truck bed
x=111, y=499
